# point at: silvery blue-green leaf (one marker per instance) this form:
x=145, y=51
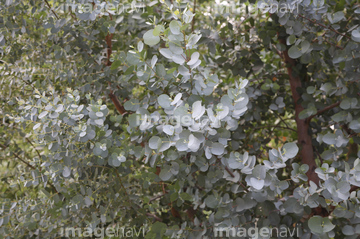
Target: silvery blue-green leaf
x=53, y=115
x=290, y=150
x=354, y=125
x=164, y=101
x=217, y=148
x=97, y=150
x=91, y=134
x=99, y=114
x=211, y=201
x=259, y=172
x=222, y=111
x=99, y=121
x=84, y=16
x=165, y=146
x=153, y=61
x=305, y=45
x=88, y=201
x=348, y=230
x=132, y=105
x=36, y=126
x=235, y=161
x=243, y=83
x=257, y=183
x=178, y=59
x=320, y=225
x=168, y=129
x=194, y=58
x=150, y=39
x=337, y=17
x=291, y=40
x=193, y=39
x=184, y=70
x=176, y=48
x=160, y=70
x=59, y=108
x=165, y=173
x=355, y=35
x=102, y=147
x=295, y=52
x=341, y=141
x=329, y=139
x=66, y=172
x=176, y=99
x=140, y=46
x=182, y=145
x=194, y=143
x=196, y=64
x=188, y=16
x=197, y=110
x=92, y=16
x=43, y=114
x=166, y=52
x=116, y=162
x=327, y=87
x=155, y=142
x=175, y=27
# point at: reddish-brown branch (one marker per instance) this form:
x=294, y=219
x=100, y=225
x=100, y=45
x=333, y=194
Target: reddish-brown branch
x=304, y=138
x=354, y=188
x=323, y=110
x=193, y=20
x=113, y=98
x=117, y=103
x=108, y=40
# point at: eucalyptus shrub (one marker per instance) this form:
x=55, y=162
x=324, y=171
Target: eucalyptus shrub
x=189, y=121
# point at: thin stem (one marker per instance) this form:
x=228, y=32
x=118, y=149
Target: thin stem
x=326, y=27
x=323, y=110
x=47, y=3
x=37, y=151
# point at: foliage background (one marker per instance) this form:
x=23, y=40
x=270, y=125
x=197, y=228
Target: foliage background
x=283, y=86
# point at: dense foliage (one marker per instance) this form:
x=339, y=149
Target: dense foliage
x=184, y=116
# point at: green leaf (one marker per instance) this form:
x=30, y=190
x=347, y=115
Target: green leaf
x=157, y=230
x=115, y=65
x=186, y=197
